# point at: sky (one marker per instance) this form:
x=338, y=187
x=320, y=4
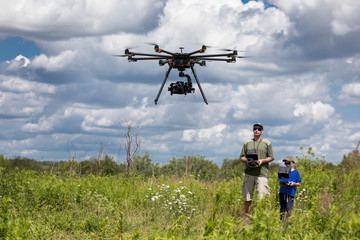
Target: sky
x=63, y=95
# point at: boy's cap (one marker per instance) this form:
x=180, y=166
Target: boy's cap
x=289, y=159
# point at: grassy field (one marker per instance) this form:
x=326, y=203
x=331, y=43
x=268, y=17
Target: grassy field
x=46, y=206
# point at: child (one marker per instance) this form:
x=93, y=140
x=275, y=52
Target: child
x=288, y=188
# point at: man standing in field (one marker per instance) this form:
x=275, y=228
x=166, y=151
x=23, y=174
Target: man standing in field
x=257, y=153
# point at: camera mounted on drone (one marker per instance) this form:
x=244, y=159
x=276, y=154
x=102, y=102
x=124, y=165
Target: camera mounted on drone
x=181, y=61
x=180, y=87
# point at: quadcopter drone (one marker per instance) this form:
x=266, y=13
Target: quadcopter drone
x=181, y=61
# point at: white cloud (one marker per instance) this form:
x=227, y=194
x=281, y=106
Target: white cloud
x=20, y=105
x=317, y=112
x=233, y=24
x=350, y=94
x=206, y=134
x=60, y=20
x=19, y=62
x=63, y=60
x=43, y=125
x=16, y=84
x=346, y=17
x=279, y=131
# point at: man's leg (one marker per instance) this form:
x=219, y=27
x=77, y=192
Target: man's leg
x=247, y=207
x=247, y=210
x=262, y=187
x=247, y=191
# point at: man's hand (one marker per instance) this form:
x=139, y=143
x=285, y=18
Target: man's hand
x=253, y=163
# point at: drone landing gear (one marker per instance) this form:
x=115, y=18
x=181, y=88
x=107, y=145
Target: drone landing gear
x=162, y=85
x=198, y=83
x=180, y=87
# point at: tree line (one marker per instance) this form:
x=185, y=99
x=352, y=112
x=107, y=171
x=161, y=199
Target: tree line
x=191, y=166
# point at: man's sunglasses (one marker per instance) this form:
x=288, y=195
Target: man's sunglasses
x=287, y=163
x=259, y=129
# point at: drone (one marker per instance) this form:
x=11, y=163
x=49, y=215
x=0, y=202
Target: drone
x=181, y=61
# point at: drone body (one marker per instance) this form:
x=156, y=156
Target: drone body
x=181, y=61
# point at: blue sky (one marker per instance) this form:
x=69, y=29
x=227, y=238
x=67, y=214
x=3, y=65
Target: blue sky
x=13, y=46
x=63, y=94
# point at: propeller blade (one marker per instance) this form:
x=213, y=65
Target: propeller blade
x=132, y=47
x=120, y=55
x=229, y=50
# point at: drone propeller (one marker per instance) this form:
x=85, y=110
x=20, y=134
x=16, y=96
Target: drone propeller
x=132, y=47
x=119, y=55
x=230, y=50
x=153, y=44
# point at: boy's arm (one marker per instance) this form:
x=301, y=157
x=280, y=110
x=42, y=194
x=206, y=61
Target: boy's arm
x=297, y=184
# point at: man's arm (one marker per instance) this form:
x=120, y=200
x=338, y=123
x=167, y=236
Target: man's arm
x=243, y=159
x=270, y=156
x=265, y=160
x=242, y=154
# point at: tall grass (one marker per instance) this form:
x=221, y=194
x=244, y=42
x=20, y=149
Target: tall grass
x=43, y=206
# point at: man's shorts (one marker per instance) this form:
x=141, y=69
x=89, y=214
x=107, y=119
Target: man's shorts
x=262, y=187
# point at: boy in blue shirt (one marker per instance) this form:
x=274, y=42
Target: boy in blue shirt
x=288, y=188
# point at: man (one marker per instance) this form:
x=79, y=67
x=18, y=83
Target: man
x=256, y=172
x=288, y=188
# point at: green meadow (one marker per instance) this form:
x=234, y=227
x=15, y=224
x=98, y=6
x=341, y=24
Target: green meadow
x=181, y=200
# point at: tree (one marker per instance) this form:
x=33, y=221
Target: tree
x=24, y=163
x=109, y=166
x=3, y=161
x=197, y=166
x=132, y=145
x=143, y=164
x=232, y=168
